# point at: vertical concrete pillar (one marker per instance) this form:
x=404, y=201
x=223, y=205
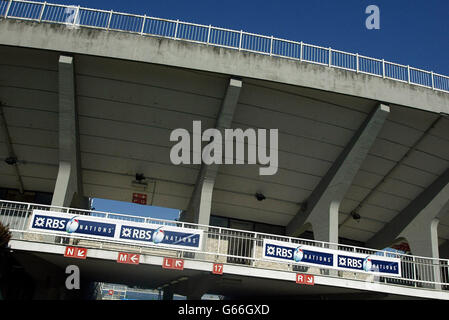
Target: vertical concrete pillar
x=423, y=241
x=418, y=223
x=68, y=189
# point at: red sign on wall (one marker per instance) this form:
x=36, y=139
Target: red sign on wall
x=75, y=252
x=173, y=263
x=217, y=268
x=140, y=198
x=129, y=258
x=305, y=279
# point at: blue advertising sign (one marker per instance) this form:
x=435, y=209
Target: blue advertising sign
x=369, y=263
x=285, y=251
x=328, y=258
x=105, y=228
x=160, y=235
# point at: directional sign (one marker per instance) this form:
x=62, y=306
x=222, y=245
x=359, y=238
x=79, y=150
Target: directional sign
x=310, y=280
x=129, y=258
x=75, y=252
x=173, y=263
x=140, y=198
x=217, y=268
x=305, y=279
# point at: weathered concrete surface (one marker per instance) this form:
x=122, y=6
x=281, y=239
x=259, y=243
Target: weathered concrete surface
x=195, y=56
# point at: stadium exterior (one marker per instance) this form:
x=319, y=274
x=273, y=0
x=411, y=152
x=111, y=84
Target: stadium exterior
x=88, y=105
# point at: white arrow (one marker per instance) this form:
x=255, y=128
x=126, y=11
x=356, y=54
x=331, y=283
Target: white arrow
x=134, y=257
x=81, y=253
x=178, y=263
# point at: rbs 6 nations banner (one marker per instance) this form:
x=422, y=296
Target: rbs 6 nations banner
x=328, y=258
x=112, y=229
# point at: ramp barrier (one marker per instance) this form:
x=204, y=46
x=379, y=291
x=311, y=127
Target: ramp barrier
x=225, y=245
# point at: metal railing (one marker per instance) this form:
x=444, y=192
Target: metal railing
x=76, y=16
x=229, y=246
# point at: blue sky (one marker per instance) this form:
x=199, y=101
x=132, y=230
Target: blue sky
x=414, y=33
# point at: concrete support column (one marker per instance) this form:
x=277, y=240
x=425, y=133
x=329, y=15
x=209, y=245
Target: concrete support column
x=68, y=189
x=418, y=224
x=325, y=224
x=423, y=241
x=321, y=208
x=200, y=205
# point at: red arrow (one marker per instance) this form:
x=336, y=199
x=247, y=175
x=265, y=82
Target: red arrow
x=82, y=253
x=134, y=258
x=173, y=263
x=310, y=280
x=75, y=252
x=130, y=258
x=179, y=264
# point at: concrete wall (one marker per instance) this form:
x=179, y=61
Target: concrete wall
x=183, y=54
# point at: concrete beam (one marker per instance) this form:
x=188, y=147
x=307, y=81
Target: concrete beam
x=156, y=50
x=417, y=221
x=199, y=208
x=322, y=206
x=68, y=188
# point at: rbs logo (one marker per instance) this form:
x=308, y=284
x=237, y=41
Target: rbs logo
x=50, y=223
x=350, y=262
x=279, y=252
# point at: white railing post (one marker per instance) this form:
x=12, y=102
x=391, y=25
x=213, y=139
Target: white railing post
x=208, y=34
x=110, y=18
x=7, y=8
x=240, y=41
x=143, y=24
x=219, y=240
x=408, y=74
x=271, y=46
x=76, y=15
x=383, y=68
x=42, y=11
x=433, y=82
x=300, y=51
x=176, y=28
x=25, y=220
x=330, y=57
x=254, y=249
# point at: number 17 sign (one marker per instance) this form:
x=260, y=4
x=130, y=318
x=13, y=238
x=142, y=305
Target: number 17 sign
x=217, y=268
